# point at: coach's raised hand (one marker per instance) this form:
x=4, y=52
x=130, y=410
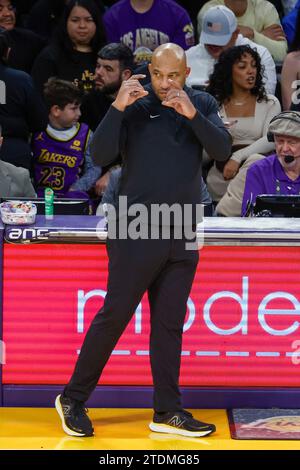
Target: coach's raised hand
x=178, y=99
x=130, y=91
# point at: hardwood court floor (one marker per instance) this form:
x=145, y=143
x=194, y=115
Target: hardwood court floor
x=116, y=429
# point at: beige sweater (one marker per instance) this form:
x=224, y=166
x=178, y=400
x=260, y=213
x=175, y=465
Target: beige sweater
x=252, y=131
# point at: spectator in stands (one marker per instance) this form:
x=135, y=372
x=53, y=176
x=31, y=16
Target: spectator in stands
x=220, y=32
x=291, y=72
x=278, y=173
x=7, y=15
x=145, y=24
x=114, y=64
x=21, y=110
x=73, y=53
x=45, y=15
x=257, y=20
x=61, y=153
x=236, y=83
x=14, y=181
x=289, y=23
x=24, y=45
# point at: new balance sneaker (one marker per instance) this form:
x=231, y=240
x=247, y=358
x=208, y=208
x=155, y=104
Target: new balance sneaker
x=182, y=423
x=73, y=414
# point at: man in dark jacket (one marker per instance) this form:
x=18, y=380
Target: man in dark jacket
x=24, y=45
x=160, y=132
x=21, y=111
x=14, y=181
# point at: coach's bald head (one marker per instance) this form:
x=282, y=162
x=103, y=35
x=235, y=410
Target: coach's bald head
x=168, y=63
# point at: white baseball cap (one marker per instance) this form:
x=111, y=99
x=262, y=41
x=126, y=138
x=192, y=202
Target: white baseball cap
x=218, y=25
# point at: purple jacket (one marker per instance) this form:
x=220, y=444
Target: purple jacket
x=267, y=177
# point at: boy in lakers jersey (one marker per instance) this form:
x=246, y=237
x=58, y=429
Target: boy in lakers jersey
x=61, y=153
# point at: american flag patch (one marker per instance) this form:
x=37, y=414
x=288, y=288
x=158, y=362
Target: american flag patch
x=215, y=27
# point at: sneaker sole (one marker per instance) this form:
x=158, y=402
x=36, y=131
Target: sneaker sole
x=165, y=428
x=67, y=430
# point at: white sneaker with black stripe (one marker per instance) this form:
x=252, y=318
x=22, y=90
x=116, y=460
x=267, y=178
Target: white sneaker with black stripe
x=181, y=423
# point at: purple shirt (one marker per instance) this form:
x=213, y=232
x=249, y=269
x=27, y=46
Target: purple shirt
x=58, y=164
x=267, y=177
x=166, y=21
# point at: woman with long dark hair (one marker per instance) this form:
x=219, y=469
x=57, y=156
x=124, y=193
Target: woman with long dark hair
x=246, y=109
x=72, y=54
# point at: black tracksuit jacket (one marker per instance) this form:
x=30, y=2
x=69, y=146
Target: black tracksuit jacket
x=161, y=149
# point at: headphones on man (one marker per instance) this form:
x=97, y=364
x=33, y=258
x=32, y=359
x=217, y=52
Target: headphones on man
x=289, y=115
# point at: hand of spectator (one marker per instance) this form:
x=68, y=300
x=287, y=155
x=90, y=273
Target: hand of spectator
x=101, y=184
x=275, y=32
x=130, y=91
x=177, y=99
x=231, y=168
x=246, y=32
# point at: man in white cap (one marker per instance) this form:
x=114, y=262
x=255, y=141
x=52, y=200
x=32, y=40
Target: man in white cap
x=258, y=20
x=220, y=32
